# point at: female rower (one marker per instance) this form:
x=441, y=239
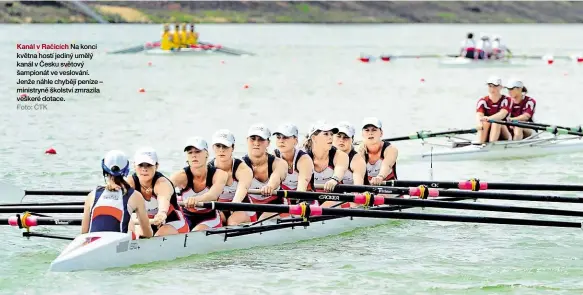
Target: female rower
x=494, y=106
x=380, y=156
x=522, y=109
x=110, y=207
x=300, y=168
x=330, y=164
x=199, y=182
x=239, y=176
x=356, y=173
x=158, y=191
x=268, y=170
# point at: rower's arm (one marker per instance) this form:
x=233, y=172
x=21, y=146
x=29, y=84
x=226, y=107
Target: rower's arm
x=164, y=193
x=499, y=115
x=340, y=164
x=523, y=117
x=390, y=158
x=89, y=199
x=139, y=204
x=179, y=179
x=305, y=171
x=279, y=173
x=219, y=181
x=358, y=169
x=244, y=176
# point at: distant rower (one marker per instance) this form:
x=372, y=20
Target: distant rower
x=184, y=37
x=523, y=107
x=468, y=46
x=166, y=42
x=495, y=106
x=192, y=36
x=176, y=39
x=499, y=50
x=483, y=48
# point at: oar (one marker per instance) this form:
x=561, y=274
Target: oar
x=477, y=185
x=12, y=194
x=575, y=129
x=42, y=209
x=30, y=221
x=552, y=129
x=134, y=49
x=424, y=192
x=307, y=211
x=419, y=56
x=424, y=134
x=367, y=200
x=228, y=50
x=75, y=203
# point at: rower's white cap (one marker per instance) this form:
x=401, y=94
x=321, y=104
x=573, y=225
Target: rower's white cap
x=494, y=80
x=259, y=130
x=496, y=37
x=146, y=155
x=346, y=128
x=322, y=125
x=115, y=158
x=197, y=142
x=224, y=137
x=372, y=121
x=287, y=129
x=514, y=83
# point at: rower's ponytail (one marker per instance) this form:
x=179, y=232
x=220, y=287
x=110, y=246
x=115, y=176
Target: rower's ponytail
x=308, y=143
x=117, y=181
x=524, y=90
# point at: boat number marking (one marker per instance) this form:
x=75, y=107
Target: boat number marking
x=134, y=246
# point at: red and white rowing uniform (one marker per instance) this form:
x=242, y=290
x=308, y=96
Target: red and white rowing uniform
x=468, y=47
x=321, y=177
x=486, y=106
x=526, y=106
x=373, y=169
x=174, y=216
x=196, y=216
x=229, y=190
x=291, y=179
x=256, y=184
x=348, y=176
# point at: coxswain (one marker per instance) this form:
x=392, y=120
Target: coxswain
x=109, y=208
x=523, y=107
x=176, y=38
x=468, y=46
x=343, y=140
x=239, y=176
x=268, y=170
x=166, y=42
x=483, y=48
x=159, y=194
x=330, y=163
x=300, y=168
x=494, y=106
x=199, y=182
x=499, y=50
x=380, y=156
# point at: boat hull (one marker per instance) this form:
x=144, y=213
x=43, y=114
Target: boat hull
x=470, y=63
x=182, y=51
x=507, y=150
x=118, y=250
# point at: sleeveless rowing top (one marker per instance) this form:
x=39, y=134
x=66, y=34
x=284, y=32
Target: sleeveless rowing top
x=373, y=169
x=166, y=41
x=321, y=177
x=348, y=176
x=110, y=211
x=291, y=179
x=188, y=191
x=229, y=191
x=256, y=184
x=152, y=202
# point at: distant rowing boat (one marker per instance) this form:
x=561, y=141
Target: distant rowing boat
x=470, y=63
x=182, y=51
x=461, y=149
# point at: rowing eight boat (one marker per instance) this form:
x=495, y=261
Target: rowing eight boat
x=121, y=251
